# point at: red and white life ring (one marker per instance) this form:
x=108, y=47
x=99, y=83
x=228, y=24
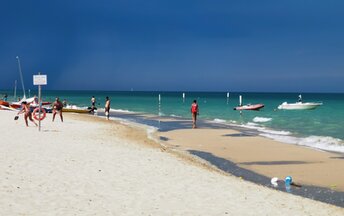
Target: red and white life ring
x=35, y=114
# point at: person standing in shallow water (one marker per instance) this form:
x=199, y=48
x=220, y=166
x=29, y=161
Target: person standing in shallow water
x=107, y=108
x=93, y=104
x=194, y=113
x=93, y=101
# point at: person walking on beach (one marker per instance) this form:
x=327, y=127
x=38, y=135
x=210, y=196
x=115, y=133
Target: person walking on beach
x=93, y=104
x=194, y=113
x=93, y=101
x=107, y=108
x=25, y=108
x=57, y=107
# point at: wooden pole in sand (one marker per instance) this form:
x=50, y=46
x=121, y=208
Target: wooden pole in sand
x=40, y=107
x=39, y=80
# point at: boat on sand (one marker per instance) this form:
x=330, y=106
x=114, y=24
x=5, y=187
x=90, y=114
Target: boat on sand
x=33, y=102
x=4, y=103
x=76, y=110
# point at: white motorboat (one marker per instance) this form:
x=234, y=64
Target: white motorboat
x=299, y=105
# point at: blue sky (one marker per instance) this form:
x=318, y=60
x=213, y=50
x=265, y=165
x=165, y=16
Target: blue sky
x=283, y=46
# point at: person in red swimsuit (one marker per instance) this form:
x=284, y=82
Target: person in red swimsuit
x=194, y=113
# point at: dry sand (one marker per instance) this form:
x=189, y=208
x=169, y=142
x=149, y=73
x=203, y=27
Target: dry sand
x=86, y=166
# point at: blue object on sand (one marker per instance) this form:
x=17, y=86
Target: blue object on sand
x=288, y=180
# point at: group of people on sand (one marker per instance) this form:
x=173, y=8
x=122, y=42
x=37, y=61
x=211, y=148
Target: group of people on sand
x=58, y=108
x=28, y=114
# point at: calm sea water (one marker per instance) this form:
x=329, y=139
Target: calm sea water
x=320, y=128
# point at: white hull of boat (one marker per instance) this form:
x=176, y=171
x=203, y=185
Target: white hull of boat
x=299, y=106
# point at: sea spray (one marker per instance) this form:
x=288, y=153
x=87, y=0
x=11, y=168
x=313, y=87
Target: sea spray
x=261, y=119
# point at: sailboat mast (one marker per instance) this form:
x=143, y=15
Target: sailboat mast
x=15, y=90
x=21, y=76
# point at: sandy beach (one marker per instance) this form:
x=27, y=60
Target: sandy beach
x=90, y=166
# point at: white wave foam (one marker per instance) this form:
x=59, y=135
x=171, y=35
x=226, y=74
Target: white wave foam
x=261, y=119
x=285, y=133
x=70, y=106
x=219, y=120
x=251, y=124
x=318, y=142
x=255, y=126
x=122, y=111
x=161, y=114
x=172, y=115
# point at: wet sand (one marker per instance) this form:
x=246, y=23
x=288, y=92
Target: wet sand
x=243, y=153
x=264, y=156
x=248, y=150
x=258, y=159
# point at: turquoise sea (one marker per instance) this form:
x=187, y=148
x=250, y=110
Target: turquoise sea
x=320, y=128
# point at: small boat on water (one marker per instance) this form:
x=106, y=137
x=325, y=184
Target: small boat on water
x=299, y=105
x=254, y=107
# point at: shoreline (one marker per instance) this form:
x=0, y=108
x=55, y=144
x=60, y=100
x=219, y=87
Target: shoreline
x=332, y=193
x=210, y=160
x=88, y=165
x=317, y=142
